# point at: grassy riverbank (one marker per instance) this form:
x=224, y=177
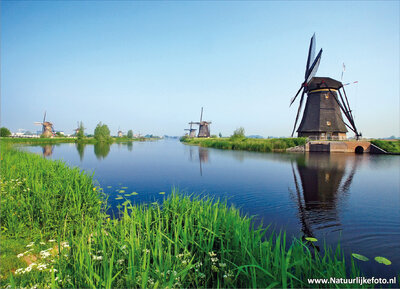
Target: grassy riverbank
x=247, y=144
x=391, y=146
x=55, y=234
x=58, y=140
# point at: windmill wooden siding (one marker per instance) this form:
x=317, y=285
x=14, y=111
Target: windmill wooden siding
x=204, y=129
x=322, y=118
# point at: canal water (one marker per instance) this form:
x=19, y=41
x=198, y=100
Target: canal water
x=346, y=198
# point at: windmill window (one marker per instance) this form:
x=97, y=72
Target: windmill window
x=328, y=123
x=326, y=96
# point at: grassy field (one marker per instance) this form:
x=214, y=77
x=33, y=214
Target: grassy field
x=257, y=145
x=391, y=146
x=58, y=140
x=55, y=233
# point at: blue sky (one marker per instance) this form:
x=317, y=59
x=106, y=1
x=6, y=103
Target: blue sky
x=151, y=66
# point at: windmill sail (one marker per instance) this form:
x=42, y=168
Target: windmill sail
x=314, y=67
x=311, y=53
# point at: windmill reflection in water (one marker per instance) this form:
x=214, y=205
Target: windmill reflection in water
x=203, y=156
x=321, y=182
x=47, y=150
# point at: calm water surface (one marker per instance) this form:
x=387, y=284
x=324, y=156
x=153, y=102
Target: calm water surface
x=349, y=198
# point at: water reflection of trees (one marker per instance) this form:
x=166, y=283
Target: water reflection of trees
x=321, y=181
x=80, y=147
x=129, y=145
x=101, y=149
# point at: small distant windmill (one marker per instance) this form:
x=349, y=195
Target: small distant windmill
x=47, y=127
x=120, y=133
x=322, y=118
x=192, y=131
x=77, y=128
x=204, y=126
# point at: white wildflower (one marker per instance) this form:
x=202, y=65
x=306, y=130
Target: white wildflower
x=199, y=264
x=42, y=243
x=19, y=271
x=146, y=251
x=121, y=261
x=222, y=265
x=97, y=257
x=44, y=254
x=30, y=244
x=20, y=255
x=51, y=241
x=40, y=267
x=214, y=260
x=212, y=254
x=64, y=244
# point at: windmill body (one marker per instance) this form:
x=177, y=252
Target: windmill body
x=322, y=117
x=191, y=131
x=204, y=126
x=204, y=129
x=47, y=127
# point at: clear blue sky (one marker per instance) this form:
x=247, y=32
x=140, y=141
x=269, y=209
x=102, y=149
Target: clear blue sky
x=151, y=66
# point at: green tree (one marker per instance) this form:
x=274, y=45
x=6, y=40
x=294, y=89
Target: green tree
x=80, y=134
x=102, y=132
x=5, y=132
x=130, y=134
x=220, y=134
x=238, y=133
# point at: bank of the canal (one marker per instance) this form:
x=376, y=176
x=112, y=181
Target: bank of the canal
x=247, y=144
x=55, y=233
x=285, y=144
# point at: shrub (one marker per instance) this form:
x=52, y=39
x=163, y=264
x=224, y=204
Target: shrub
x=4, y=132
x=238, y=133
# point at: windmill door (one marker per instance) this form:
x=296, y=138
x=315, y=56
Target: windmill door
x=328, y=136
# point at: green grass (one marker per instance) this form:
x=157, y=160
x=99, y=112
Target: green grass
x=57, y=235
x=258, y=145
x=58, y=140
x=391, y=146
x=44, y=196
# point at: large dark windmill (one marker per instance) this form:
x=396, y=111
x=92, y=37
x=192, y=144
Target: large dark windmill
x=322, y=118
x=204, y=126
x=47, y=127
x=192, y=131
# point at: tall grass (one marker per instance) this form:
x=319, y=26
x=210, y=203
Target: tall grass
x=44, y=196
x=258, y=145
x=185, y=241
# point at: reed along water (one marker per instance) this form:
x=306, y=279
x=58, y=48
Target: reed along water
x=346, y=198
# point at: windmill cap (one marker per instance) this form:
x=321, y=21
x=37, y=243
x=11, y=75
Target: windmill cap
x=323, y=82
